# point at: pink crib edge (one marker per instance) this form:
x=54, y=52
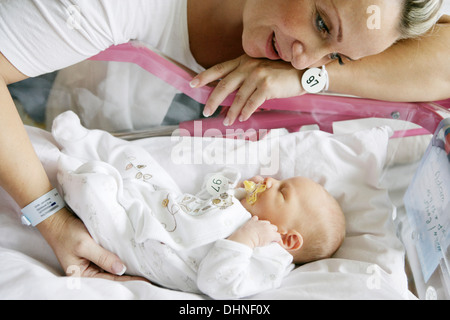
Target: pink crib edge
x=323, y=108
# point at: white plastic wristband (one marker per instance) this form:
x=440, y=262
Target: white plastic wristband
x=315, y=80
x=42, y=208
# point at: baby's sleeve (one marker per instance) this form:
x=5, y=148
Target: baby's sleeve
x=232, y=270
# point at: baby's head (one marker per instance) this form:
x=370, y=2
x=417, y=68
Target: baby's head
x=309, y=219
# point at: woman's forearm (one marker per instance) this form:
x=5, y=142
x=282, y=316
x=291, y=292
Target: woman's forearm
x=21, y=172
x=411, y=70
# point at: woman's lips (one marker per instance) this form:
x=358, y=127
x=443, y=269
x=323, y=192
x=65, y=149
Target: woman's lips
x=272, y=49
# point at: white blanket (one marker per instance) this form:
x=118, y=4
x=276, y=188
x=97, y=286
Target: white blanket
x=132, y=207
x=369, y=265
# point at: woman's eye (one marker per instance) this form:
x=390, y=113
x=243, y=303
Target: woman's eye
x=323, y=28
x=336, y=56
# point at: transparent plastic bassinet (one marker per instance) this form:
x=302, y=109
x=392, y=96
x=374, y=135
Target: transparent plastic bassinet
x=423, y=217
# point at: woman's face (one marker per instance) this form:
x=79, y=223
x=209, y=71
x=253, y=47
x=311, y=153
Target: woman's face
x=311, y=33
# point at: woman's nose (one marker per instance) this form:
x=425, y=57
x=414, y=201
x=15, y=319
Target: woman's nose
x=302, y=59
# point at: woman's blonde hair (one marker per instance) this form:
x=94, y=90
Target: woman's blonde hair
x=418, y=17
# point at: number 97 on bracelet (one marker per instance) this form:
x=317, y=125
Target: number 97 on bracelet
x=314, y=80
x=216, y=185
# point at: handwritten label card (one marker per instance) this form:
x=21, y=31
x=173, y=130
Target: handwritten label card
x=427, y=202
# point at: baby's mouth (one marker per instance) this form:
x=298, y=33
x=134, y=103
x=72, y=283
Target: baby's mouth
x=253, y=190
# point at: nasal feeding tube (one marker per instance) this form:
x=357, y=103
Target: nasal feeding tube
x=253, y=190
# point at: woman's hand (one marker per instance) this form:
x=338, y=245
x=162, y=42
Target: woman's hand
x=77, y=252
x=256, y=80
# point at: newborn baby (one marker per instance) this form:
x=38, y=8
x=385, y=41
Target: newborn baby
x=227, y=243
x=309, y=221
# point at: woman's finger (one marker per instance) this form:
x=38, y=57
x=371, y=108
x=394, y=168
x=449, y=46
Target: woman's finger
x=255, y=101
x=214, y=73
x=104, y=259
x=241, y=99
x=225, y=87
x=112, y=277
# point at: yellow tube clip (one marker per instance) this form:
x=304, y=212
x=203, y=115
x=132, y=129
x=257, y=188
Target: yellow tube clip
x=252, y=191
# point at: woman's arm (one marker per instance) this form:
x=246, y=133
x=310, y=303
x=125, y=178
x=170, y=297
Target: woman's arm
x=24, y=178
x=21, y=173
x=411, y=70
x=254, y=80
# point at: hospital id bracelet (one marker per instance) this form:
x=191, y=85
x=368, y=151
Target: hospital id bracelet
x=315, y=80
x=42, y=208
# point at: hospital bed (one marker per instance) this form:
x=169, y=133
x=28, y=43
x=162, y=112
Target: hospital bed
x=367, y=153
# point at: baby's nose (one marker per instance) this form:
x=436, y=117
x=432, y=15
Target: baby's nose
x=270, y=182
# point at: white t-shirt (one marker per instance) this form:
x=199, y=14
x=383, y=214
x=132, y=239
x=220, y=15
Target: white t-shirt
x=41, y=36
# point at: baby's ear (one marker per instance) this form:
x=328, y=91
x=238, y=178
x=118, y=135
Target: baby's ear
x=292, y=240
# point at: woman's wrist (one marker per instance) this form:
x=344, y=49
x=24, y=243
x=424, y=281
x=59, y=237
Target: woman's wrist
x=50, y=227
x=339, y=77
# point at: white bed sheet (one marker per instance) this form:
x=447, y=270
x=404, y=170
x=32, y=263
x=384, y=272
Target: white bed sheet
x=369, y=265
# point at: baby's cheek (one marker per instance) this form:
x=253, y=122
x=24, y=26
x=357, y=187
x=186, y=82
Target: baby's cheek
x=254, y=209
x=246, y=205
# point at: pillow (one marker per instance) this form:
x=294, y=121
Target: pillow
x=401, y=151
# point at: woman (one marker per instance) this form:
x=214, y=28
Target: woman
x=342, y=31
x=230, y=35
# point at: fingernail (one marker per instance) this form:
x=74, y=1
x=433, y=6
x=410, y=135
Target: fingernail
x=194, y=83
x=226, y=122
x=241, y=119
x=206, y=113
x=119, y=269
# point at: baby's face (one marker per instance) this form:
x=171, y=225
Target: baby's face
x=283, y=202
